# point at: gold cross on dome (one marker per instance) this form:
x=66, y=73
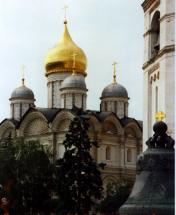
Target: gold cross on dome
x=23, y=72
x=114, y=76
x=159, y=116
x=65, y=12
x=74, y=61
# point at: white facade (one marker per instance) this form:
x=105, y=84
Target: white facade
x=159, y=64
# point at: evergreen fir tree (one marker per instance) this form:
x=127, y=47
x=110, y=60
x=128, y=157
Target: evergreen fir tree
x=79, y=180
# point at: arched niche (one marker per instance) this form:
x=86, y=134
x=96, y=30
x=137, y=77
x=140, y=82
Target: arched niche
x=155, y=34
x=34, y=123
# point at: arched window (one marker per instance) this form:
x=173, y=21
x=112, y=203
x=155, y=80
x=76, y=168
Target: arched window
x=156, y=99
x=108, y=153
x=155, y=34
x=129, y=155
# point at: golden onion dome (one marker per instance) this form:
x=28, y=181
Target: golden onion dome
x=60, y=58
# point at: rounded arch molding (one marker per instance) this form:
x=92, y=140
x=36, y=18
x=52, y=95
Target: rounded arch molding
x=114, y=123
x=61, y=121
x=34, y=123
x=7, y=128
x=133, y=130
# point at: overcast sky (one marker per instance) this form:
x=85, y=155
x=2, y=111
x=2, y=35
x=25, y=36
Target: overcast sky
x=107, y=31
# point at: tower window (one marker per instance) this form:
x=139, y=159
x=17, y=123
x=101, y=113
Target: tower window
x=155, y=34
x=108, y=153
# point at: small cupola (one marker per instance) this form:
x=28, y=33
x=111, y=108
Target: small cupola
x=22, y=98
x=114, y=98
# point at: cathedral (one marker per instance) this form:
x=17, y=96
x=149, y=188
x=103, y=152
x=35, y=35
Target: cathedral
x=119, y=136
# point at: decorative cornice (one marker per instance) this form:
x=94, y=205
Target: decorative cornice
x=147, y=4
x=165, y=50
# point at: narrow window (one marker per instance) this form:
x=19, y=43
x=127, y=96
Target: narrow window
x=129, y=155
x=73, y=100
x=82, y=101
x=20, y=109
x=105, y=106
x=156, y=99
x=64, y=100
x=108, y=153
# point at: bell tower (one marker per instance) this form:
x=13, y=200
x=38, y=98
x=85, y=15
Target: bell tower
x=158, y=67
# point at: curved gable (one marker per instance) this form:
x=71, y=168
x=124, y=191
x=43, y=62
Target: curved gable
x=94, y=124
x=62, y=121
x=34, y=123
x=7, y=129
x=132, y=130
x=111, y=124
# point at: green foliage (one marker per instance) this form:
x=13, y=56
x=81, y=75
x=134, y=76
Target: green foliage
x=117, y=194
x=79, y=180
x=31, y=175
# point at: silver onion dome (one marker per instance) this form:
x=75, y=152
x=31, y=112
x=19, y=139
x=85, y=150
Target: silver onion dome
x=74, y=81
x=22, y=92
x=114, y=90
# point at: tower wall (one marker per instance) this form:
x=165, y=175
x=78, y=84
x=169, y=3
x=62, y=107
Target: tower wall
x=159, y=75
x=71, y=98
x=54, y=82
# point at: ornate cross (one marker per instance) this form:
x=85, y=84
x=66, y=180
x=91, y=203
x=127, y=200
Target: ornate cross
x=74, y=61
x=23, y=72
x=159, y=116
x=65, y=12
x=114, y=76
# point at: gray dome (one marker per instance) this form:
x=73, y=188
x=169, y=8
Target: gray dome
x=114, y=90
x=74, y=81
x=22, y=92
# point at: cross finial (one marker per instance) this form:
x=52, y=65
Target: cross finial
x=114, y=76
x=159, y=116
x=23, y=72
x=65, y=13
x=74, y=61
